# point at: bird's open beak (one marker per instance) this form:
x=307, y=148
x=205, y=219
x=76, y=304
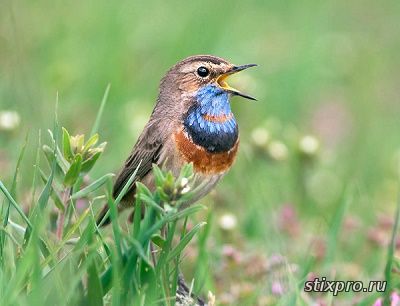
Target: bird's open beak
x=221, y=81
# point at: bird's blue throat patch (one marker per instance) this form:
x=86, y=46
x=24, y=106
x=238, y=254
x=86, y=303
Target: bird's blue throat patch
x=210, y=122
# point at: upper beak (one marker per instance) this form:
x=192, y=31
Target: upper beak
x=225, y=86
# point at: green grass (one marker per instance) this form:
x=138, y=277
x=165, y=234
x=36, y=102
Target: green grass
x=72, y=249
x=326, y=69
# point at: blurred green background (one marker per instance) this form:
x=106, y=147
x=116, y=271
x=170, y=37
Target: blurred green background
x=324, y=132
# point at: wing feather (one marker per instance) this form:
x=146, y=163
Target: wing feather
x=146, y=152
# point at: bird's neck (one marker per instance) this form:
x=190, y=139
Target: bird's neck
x=210, y=122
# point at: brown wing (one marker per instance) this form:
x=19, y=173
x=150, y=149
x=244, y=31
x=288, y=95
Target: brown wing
x=145, y=152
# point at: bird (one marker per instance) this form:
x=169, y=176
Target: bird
x=192, y=122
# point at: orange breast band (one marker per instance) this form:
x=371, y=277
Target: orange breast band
x=203, y=161
x=219, y=119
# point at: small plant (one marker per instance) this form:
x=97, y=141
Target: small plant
x=71, y=163
x=150, y=259
x=69, y=261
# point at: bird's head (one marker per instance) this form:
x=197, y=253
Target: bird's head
x=195, y=93
x=196, y=73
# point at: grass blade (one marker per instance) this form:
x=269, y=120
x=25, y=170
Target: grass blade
x=15, y=204
x=95, y=291
x=96, y=124
x=127, y=185
x=184, y=241
x=13, y=193
x=92, y=187
x=390, y=255
x=336, y=225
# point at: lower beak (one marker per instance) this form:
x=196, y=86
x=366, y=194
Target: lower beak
x=221, y=81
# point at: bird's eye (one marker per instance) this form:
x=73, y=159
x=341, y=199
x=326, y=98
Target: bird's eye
x=203, y=71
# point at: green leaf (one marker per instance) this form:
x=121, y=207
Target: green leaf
x=68, y=235
x=144, y=194
x=158, y=175
x=148, y=278
x=139, y=250
x=73, y=173
x=51, y=136
x=92, y=187
x=90, y=143
x=151, y=202
x=390, y=256
x=42, y=244
x=162, y=260
x=54, y=195
x=13, y=190
x=127, y=185
x=45, y=194
x=186, y=212
x=13, y=203
x=36, y=167
x=186, y=171
x=162, y=194
x=95, y=290
x=336, y=226
x=114, y=223
x=59, y=172
x=100, y=112
x=184, y=241
x=85, y=237
x=67, y=150
x=158, y=240
x=61, y=161
x=142, y=189
x=5, y=213
x=48, y=153
x=88, y=164
x=201, y=274
x=168, y=186
x=62, y=164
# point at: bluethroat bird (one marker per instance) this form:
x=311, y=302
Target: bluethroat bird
x=192, y=122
